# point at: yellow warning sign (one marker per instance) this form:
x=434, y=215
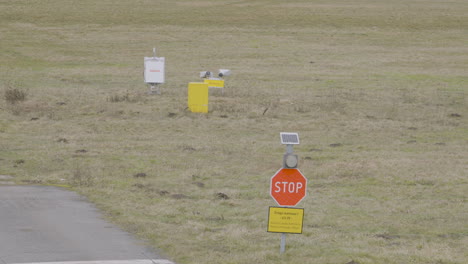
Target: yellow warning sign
x=285, y=220
x=215, y=83
x=198, y=97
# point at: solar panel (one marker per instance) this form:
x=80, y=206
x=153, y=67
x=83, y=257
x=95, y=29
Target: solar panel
x=289, y=138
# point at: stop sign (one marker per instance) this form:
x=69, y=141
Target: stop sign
x=288, y=187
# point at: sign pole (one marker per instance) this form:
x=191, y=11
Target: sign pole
x=283, y=243
x=287, y=187
x=289, y=150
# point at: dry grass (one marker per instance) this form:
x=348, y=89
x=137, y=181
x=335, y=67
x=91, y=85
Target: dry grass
x=14, y=95
x=376, y=90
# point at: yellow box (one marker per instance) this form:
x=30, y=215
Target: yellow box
x=198, y=97
x=285, y=220
x=215, y=83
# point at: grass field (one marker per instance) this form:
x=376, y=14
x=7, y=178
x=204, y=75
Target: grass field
x=377, y=91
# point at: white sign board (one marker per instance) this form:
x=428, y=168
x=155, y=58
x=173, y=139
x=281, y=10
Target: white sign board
x=154, y=70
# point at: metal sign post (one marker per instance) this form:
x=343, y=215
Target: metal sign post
x=287, y=188
x=289, y=150
x=283, y=243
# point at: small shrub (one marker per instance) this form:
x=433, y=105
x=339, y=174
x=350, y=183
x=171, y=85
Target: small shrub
x=119, y=98
x=14, y=95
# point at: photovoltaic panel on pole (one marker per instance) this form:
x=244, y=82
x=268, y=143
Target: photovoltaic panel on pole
x=289, y=138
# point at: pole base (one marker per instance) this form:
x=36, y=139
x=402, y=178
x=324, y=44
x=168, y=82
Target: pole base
x=154, y=89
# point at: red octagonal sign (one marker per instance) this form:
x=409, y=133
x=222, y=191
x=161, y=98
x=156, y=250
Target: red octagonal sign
x=288, y=187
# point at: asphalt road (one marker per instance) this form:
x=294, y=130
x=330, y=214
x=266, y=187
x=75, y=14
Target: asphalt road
x=50, y=224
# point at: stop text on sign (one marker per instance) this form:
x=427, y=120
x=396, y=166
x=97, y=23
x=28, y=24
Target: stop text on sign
x=290, y=187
